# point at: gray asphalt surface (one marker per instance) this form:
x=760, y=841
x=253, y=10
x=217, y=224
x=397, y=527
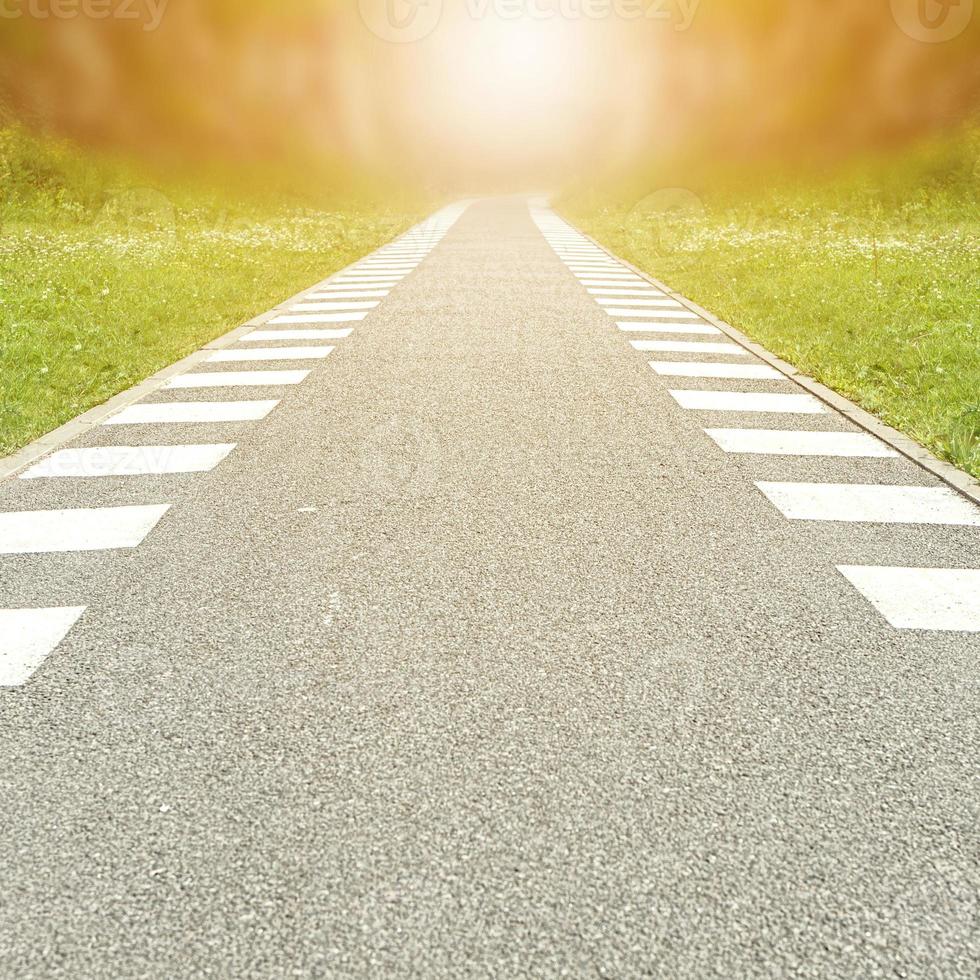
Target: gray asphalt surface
x=477, y=658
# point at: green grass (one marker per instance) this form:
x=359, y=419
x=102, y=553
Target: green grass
x=867, y=280
x=107, y=275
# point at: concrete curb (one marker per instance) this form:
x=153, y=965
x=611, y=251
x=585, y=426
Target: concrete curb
x=56, y=438
x=949, y=474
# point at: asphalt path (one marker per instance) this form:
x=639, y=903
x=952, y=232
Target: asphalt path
x=477, y=656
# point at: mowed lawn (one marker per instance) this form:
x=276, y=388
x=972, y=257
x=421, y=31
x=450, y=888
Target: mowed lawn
x=868, y=281
x=106, y=277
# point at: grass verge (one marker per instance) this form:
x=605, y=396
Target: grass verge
x=867, y=280
x=108, y=275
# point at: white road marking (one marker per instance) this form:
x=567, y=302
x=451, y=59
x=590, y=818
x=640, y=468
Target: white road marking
x=689, y=347
x=363, y=281
x=777, y=442
x=746, y=401
x=945, y=599
x=345, y=293
x=607, y=301
x=268, y=354
x=350, y=285
x=691, y=328
x=167, y=413
x=386, y=265
x=128, y=461
x=589, y=280
x=709, y=369
x=231, y=379
x=28, y=637
x=312, y=334
x=648, y=291
x=355, y=278
x=871, y=503
x=319, y=318
x=324, y=306
x=619, y=272
x=84, y=529
x=362, y=277
x=679, y=314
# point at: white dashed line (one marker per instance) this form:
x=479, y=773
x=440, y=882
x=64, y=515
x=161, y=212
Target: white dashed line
x=128, y=461
x=312, y=334
x=871, y=503
x=679, y=314
x=349, y=294
x=167, y=413
x=233, y=379
x=649, y=291
x=609, y=300
x=707, y=369
x=365, y=275
x=945, y=599
x=745, y=401
x=28, y=637
x=689, y=347
x=323, y=307
x=614, y=279
x=365, y=278
x=268, y=354
x=384, y=269
x=375, y=282
x=691, y=328
x=84, y=529
x=319, y=318
x=777, y=442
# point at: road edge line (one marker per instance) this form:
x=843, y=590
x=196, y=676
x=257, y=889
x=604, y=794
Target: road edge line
x=951, y=475
x=93, y=417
